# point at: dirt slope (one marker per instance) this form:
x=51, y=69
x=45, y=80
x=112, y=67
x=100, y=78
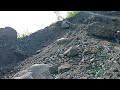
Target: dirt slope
x=97, y=57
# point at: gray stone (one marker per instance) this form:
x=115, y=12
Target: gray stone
x=63, y=41
x=28, y=75
x=72, y=51
x=64, y=68
x=54, y=69
x=65, y=24
x=40, y=71
x=36, y=71
x=8, y=33
x=103, y=30
x=38, y=51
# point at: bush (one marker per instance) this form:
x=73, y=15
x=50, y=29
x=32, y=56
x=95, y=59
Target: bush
x=72, y=14
x=25, y=34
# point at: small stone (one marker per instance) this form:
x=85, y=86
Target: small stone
x=64, y=68
x=65, y=24
x=63, y=41
x=72, y=51
x=83, y=78
x=38, y=51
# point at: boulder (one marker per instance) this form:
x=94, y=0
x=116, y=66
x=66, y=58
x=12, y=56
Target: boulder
x=105, y=30
x=64, y=68
x=36, y=71
x=28, y=75
x=8, y=33
x=63, y=41
x=40, y=71
x=72, y=51
x=65, y=24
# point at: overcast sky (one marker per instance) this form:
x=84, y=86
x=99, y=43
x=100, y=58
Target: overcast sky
x=30, y=21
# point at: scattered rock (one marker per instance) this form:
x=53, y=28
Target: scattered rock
x=64, y=68
x=65, y=25
x=72, y=51
x=63, y=41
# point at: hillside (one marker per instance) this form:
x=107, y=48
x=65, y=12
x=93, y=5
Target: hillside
x=89, y=50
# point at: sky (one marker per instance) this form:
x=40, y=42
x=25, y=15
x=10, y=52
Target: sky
x=28, y=21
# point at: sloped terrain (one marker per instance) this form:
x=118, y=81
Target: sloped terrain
x=90, y=53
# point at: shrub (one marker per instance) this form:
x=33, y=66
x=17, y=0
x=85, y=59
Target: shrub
x=25, y=34
x=72, y=14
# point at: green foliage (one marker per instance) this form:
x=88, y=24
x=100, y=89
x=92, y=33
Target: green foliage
x=72, y=14
x=25, y=34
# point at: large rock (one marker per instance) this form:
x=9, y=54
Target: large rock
x=38, y=71
x=8, y=33
x=104, y=28
x=27, y=75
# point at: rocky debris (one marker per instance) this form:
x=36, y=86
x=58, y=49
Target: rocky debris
x=64, y=68
x=90, y=50
x=72, y=51
x=65, y=24
x=36, y=71
x=63, y=41
x=8, y=33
